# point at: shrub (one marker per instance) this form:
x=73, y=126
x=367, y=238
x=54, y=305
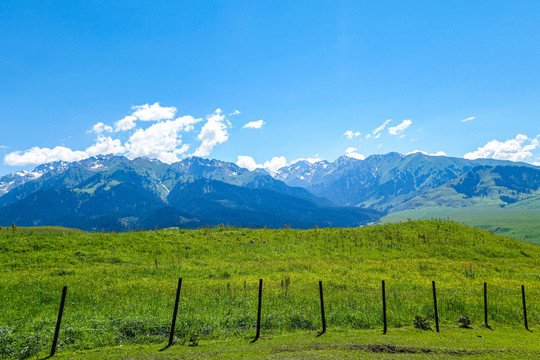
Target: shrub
x=422, y=323
x=465, y=322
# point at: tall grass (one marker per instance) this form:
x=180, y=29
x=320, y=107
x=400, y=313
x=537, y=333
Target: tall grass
x=121, y=287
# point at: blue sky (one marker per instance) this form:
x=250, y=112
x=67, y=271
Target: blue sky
x=311, y=71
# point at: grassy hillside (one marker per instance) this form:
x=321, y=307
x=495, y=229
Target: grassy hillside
x=42, y=230
x=530, y=203
x=512, y=221
x=121, y=286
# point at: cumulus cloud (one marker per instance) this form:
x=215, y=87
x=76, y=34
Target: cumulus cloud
x=351, y=134
x=254, y=124
x=187, y=123
x=247, y=162
x=311, y=160
x=398, y=129
x=127, y=123
x=105, y=145
x=351, y=152
x=469, y=119
x=162, y=140
x=273, y=165
x=356, y=155
x=38, y=155
x=235, y=112
x=212, y=133
x=154, y=112
x=438, y=153
x=518, y=149
x=100, y=127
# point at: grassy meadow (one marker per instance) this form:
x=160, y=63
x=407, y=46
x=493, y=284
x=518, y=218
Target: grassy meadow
x=121, y=286
x=518, y=223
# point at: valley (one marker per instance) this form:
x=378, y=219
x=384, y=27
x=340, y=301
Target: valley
x=114, y=193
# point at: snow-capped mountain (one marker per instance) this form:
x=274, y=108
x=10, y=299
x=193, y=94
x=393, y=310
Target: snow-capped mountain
x=116, y=193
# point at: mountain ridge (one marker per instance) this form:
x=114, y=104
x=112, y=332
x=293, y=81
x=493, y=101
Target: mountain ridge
x=117, y=193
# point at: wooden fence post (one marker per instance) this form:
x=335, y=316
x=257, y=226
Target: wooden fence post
x=58, y=321
x=323, y=318
x=175, y=312
x=524, y=307
x=258, y=334
x=435, y=306
x=384, y=307
x=486, y=307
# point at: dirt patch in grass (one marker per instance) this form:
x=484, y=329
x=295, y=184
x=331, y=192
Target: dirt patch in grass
x=378, y=348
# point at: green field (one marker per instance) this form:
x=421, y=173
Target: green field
x=522, y=224
x=401, y=343
x=41, y=230
x=121, y=291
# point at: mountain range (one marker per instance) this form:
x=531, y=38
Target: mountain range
x=115, y=193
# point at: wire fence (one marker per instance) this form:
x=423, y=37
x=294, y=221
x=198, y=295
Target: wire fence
x=233, y=312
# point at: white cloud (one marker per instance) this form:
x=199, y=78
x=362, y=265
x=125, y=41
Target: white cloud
x=518, y=149
x=154, y=112
x=351, y=152
x=127, y=123
x=311, y=160
x=3, y=147
x=273, y=165
x=254, y=124
x=351, y=134
x=212, y=133
x=37, y=155
x=247, y=162
x=161, y=140
x=380, y=128
x=469, y=119
x=276, y=163
x=438, y=153
x=100, y=127
x=187, y=122
x=105, y=145
x=235, y=112
x=356, y=155
x=398, y=129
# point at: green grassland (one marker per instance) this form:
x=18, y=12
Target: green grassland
x=518, y=223
x=121, y=291
x=506, y=343
x=530, y=203
x=41, y=230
